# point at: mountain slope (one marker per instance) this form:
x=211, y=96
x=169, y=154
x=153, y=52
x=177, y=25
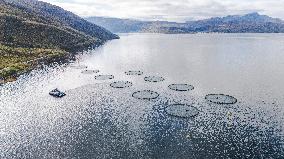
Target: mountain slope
x=249, y=23
x=32, y=31
x=35, y=23
x=118, y=25
x=19, y=32
x=60, y=16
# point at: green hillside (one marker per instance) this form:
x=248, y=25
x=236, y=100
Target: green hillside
x=30, y=26
x=17, y=31
x=17, y=60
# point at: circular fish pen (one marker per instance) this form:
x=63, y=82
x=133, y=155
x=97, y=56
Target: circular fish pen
x=154, y=79
x=221, y=99
x=181, y=87
x=134, y=73
x=121, y=84
x=145, y=95
x=79, y=66
x=182, y=110
x=90, y=71
x=104, y=77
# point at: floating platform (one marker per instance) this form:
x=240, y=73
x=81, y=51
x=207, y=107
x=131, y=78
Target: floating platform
x=145, y=94
x=104, y=77
x=154, y=79
x=121, y=84
x=181, y=87
x=134, y=73
x=182, y=110
x=90, y=71
x=221, y=99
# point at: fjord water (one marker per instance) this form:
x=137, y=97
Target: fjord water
x=95, y=120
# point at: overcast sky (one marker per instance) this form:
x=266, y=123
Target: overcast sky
x=171, y=10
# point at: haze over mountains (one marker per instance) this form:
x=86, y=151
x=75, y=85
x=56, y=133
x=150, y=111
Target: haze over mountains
x=249, y=23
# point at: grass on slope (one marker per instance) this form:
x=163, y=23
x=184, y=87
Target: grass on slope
x=14, y=61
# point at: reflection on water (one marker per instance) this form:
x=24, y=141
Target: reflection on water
x=95, y=120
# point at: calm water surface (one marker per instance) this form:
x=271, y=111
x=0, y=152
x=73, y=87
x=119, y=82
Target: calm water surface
x=95, y=120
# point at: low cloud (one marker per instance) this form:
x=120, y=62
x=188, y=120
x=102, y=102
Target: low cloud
x=178, y=10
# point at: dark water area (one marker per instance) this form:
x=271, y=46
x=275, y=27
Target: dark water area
x=100, y=118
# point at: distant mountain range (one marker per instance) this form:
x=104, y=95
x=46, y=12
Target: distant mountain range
x=249, y=23
x=32, y=23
